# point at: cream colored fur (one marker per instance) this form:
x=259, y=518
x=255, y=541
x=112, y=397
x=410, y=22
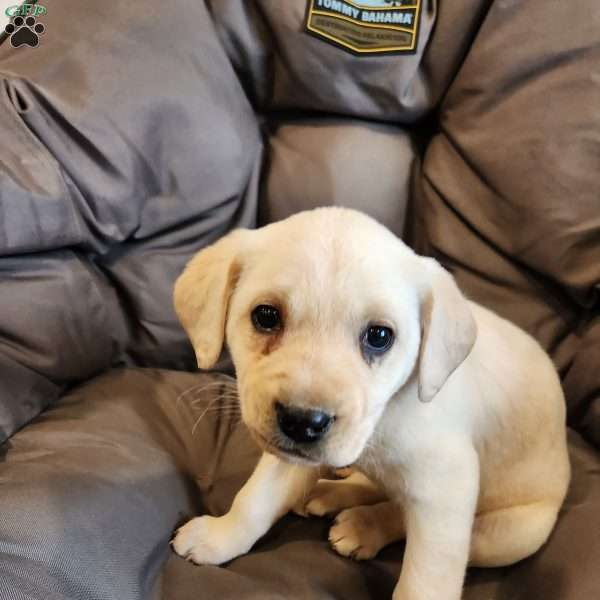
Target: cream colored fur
x=456, y=435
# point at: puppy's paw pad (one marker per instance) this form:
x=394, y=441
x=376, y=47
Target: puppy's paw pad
x=204, y=541
x=354, y=536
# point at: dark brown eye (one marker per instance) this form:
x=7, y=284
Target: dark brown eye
x=377, y=339
x=266, y=318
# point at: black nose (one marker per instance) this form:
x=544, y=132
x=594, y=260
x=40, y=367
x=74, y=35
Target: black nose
x=302, y=425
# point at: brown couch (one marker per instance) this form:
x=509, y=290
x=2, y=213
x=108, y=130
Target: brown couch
x=136, y=133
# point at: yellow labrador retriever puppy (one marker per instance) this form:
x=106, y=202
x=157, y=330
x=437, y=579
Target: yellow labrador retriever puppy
x=350, y=349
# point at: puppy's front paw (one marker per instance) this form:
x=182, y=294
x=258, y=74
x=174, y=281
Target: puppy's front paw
x=207, y=541
x=356, y=534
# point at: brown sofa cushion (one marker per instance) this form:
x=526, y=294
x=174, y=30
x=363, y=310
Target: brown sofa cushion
x=94, y=488
x=122, y=155
x=508, y=194
x=339, y=162
x=284, y=68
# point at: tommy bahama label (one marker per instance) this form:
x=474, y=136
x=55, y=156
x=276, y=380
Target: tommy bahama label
x=366, y=26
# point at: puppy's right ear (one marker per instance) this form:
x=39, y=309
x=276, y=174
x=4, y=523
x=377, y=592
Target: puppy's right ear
x=448, y=327
x=202, y=294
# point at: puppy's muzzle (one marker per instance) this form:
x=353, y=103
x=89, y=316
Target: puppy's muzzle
x=303, y=425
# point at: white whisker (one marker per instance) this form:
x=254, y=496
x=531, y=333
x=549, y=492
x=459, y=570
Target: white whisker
x=203, y=398
x=200, y=388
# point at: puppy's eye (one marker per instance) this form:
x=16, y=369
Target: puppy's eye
x=377, y=339
x=266, y=318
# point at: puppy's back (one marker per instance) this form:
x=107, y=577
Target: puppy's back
x=520, y=428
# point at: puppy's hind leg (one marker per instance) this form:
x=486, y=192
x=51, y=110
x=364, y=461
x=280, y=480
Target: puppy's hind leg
x=506, y=536
x=271, y=491
x=329, y=497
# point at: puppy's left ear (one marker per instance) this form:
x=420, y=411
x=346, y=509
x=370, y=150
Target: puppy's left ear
x=202, y=294
x=448, y=329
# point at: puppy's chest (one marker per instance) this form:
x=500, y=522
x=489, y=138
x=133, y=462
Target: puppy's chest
x=382, y=469
x=383, y=459
x=393, y=446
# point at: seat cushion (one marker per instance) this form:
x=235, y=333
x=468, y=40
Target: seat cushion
x=283, y=68
x=508, y=192
x=93, y=489
x=339, y=162
x=124, y=151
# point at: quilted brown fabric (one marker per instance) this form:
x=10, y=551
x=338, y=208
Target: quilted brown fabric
x=508, y=193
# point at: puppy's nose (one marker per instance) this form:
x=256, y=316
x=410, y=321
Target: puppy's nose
x=303, y=425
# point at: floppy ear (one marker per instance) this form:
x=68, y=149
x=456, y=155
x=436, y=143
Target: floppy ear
x=202, y=294
x=448, y=329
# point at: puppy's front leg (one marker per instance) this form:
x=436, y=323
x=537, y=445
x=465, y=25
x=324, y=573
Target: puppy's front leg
x=271, y=491
x=440, y=499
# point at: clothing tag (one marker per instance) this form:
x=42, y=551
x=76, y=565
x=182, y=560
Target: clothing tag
x=366, y=26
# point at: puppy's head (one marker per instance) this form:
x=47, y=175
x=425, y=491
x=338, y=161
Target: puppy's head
x=326, y=315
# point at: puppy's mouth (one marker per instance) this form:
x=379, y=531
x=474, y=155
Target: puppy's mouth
x=288, y=453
